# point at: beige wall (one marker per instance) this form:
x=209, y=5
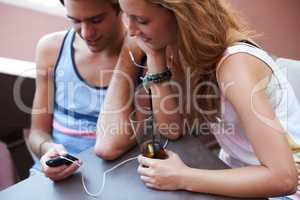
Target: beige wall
x=21, y=29
x=277, y=20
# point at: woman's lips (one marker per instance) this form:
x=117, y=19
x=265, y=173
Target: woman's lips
x=147, y=40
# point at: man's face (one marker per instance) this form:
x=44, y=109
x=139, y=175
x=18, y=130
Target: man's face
x=95, y=21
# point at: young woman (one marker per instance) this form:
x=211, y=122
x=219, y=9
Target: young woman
x=246, y=93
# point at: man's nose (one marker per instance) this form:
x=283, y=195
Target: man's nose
x=87, y=31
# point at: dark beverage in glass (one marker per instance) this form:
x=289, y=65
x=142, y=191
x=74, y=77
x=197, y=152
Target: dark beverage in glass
x=153, y=149
x=147, y=136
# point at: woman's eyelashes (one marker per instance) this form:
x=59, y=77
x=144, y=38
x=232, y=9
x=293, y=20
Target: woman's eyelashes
x=136, y=19
x=141, y=21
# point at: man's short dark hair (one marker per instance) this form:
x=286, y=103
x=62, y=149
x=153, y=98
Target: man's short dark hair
x=114, y=2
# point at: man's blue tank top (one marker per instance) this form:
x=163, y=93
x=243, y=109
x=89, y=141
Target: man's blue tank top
x=76, y=103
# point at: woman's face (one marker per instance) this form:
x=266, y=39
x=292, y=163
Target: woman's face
x=151, y=24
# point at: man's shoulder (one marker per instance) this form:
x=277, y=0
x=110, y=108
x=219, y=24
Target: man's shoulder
x=48, y=48
x=51, y=42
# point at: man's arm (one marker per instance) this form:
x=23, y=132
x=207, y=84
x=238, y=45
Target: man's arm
x=41, y=120
x=114, y=135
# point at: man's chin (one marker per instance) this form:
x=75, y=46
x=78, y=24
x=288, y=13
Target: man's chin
x=94, y=49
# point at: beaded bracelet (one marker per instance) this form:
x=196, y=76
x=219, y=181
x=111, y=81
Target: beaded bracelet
x=156, y=78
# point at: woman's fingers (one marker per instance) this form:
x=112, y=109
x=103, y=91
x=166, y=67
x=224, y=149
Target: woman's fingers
x=152, y=186
x=145, y=171
x=148, y=162
x=147, y=179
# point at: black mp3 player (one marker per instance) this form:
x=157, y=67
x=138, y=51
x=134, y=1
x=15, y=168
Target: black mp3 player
x=61, y=160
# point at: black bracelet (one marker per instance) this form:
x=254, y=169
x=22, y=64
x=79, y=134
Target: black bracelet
x=157, y=78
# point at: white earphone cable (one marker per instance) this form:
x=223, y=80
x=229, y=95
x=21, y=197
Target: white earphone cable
x=104, y=178
x=107, y=171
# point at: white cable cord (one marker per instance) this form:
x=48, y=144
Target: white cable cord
x=166, y=144
x=107, y=171
x=145, y=67
x=133, y=60
x=72, y=161
x=104, y=178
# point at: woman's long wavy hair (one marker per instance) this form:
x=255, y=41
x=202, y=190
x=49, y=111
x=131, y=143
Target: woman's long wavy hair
x=205, y=29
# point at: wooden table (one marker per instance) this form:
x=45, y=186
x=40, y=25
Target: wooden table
x=121, y=184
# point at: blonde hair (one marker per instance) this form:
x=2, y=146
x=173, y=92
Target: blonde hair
x=205, y=30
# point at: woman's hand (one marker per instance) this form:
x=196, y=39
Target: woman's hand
x=162, y=174
x=61, y=172
x=298, y=174
x=156, y=58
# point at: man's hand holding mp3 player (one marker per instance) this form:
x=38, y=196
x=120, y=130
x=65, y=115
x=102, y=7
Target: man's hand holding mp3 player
x=57, y=164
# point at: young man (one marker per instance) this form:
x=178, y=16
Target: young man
x=80, y=72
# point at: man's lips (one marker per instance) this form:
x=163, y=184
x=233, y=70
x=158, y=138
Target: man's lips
x=93, y=43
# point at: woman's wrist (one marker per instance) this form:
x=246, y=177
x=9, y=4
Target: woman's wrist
x=182, y=178
x=156, y=63
x=150, y=79
x=157, y=70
